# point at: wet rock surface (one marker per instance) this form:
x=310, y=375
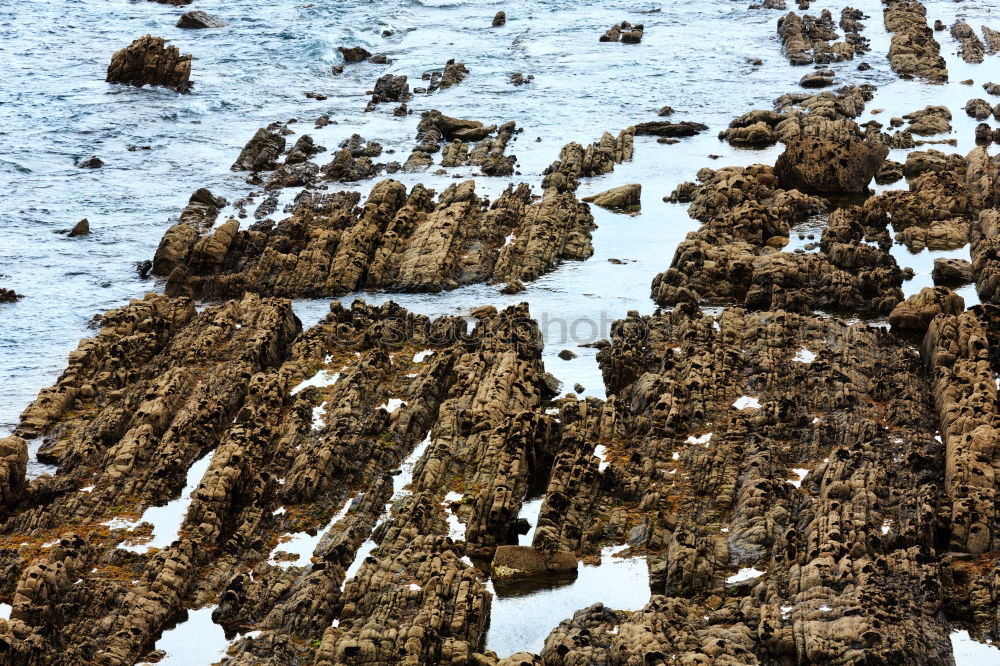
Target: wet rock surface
x=398, y=240
x=465, y=143
x=795, y=440
x=8, y=295
x=576, y=161
x=623, y=32
x=821, y=166
x=149, y=61
x=913, y=53
x=829, y=115
x=198, y=19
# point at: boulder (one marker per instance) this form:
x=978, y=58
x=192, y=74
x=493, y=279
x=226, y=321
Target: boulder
x=354, y=54
x=261, y=152
x=915, y=313
x=824, y=166
x=148, y=61
x=510, y=562
x=197, y=20
x=951, y=272
x=92, y=162
x=618, y=197
x=500, y=19
x=81, y=228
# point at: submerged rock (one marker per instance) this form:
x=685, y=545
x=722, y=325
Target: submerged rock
x=92, y=162
x=669, y=129
x=8, y=295
x=197, y=20
x=624, y=32
x=81, y=228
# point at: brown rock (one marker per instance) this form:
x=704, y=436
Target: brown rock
x=625, y=196
x=148, y=61
x=826, y=167
x=81, y=228
x=261, y=152
x=951, y=272
x=354, y=54
x=915, y=313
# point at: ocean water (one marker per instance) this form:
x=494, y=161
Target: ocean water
x=159, y=146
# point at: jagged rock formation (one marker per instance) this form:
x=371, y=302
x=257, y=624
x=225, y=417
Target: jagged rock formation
x=400, y=241
x=148, y=61
x=827, y=114
x=992, y=38
x=162, y=385
x=946, y=194
x=467, y=143
x=929, y=120
x=354, y=53
x=354, y=161
x=389, y=88
x=623, y=32
x=577, y=162
x=262, y=151
x=985, y=249
x=913, y=53
x=452, y=74
x=734, y=257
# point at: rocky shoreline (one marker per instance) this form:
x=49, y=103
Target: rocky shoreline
x=802, y=455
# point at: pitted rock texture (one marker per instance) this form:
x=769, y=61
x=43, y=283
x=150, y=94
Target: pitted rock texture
x=829, y=115
x=396, y=240
x=913, y=53
x=301, y=422
x=466, y=143
x=821, y=166
x=149, y=61
x=807, y=39
x=598, y=158
x=734, y=256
